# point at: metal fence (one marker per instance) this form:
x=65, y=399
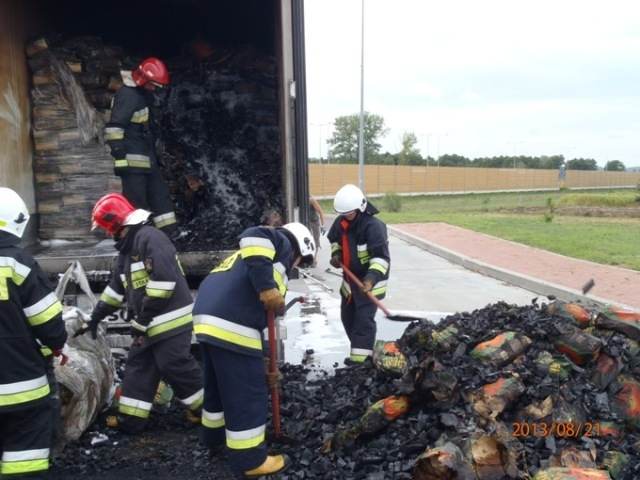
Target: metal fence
x=325, y=180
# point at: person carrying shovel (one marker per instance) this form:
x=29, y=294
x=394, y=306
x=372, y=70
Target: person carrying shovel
x=359, y=241
x=230, y=315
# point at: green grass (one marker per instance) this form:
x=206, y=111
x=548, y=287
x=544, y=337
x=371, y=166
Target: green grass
x=487, y=202
x=614, y=199
x=602, y=240
x=612, y=241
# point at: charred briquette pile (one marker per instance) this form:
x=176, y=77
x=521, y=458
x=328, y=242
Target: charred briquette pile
x=72, y=167
x=505, y=392
x=220, y=144
x=502, y=392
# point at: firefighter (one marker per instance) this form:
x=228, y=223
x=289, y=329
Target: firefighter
x=359, y=241
x=149, y=277
x=132, y=143
x=30, y=319
x=229, y=318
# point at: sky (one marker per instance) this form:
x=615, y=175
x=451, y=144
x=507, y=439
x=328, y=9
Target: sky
x=481, y=78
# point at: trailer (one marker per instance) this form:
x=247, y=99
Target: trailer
x=242, y=33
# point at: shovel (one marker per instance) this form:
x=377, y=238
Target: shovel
x=273, y=370
x=390, y=316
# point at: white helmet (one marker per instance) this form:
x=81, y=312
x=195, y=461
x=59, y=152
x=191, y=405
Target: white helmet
x=304, y=239
x=14, y=215
x=137, y=216
x=348, y=199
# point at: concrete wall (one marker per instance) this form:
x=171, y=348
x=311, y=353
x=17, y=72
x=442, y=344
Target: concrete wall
x=325, y=180
x=15, y=139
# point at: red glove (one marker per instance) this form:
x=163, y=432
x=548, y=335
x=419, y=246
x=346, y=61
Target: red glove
x=63, y=357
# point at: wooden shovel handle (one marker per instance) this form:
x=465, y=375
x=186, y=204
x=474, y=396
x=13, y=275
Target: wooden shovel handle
x=360, y=285
x=273, y=369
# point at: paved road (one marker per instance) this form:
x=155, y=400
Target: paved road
x=548, y=270
x=421, y=283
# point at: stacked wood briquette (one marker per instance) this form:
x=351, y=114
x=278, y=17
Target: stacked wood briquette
x=72, y=166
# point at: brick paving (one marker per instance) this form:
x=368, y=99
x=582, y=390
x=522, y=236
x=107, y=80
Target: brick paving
x=614, y=284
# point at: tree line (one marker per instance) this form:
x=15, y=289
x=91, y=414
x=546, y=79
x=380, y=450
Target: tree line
x=343, y=148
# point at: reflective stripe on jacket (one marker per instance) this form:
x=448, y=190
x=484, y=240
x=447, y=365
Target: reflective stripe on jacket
x=368, y=251
x=228, y=312
x=150, y=279
x=128, y=133
x=30, y=319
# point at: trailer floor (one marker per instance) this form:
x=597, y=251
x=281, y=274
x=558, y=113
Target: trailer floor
x=97, y=257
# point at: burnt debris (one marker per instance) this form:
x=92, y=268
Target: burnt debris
x=216, y=126
x=219, y=138
x=488, y=394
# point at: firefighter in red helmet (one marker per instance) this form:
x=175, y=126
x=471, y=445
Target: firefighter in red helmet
x=132, y=143
x=148, y=278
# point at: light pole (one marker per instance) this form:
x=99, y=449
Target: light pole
x=320, y=130
x=361, y=130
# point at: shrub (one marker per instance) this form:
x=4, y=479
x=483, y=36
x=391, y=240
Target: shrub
x=392, y=202
x=548, y=215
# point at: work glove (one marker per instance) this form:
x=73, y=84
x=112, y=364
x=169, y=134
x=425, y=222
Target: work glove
x=367, y=285
x=272, y=300
x=63, y=357
x=336, y=261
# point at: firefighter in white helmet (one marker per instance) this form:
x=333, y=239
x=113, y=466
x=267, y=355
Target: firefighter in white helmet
x=229, y=317
x=359, y=241
x=30, y=322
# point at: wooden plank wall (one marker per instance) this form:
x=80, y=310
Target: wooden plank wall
x=15, y=139
x=325, y=180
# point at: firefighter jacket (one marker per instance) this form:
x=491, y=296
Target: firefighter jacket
x=228, y=312
x=149, y=277
x=30, y=318
x=128, y=133
x=363, y=247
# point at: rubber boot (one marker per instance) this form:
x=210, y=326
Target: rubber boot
x=130, y=426
x=272, y=465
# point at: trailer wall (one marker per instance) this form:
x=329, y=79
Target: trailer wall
x=15, y=140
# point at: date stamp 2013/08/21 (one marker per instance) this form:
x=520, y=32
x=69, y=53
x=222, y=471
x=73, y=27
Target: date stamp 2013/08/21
x=556, y=429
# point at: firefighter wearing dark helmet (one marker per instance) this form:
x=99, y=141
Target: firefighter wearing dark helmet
x=30, y=321
x=359, y=241
x=148, y=276
x=230, y=317
x=132, y=143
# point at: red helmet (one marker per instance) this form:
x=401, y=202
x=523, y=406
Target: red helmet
x=110, y=213
x=151, y=70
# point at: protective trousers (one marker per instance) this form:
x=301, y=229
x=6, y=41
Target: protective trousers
x=358, y=318
x=150, y=192
x=235, y=405
x=25, y=440
x=169, y=359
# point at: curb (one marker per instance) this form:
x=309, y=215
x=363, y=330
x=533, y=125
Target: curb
x=526, y=282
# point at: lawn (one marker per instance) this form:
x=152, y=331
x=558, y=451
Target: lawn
x=612, y=241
